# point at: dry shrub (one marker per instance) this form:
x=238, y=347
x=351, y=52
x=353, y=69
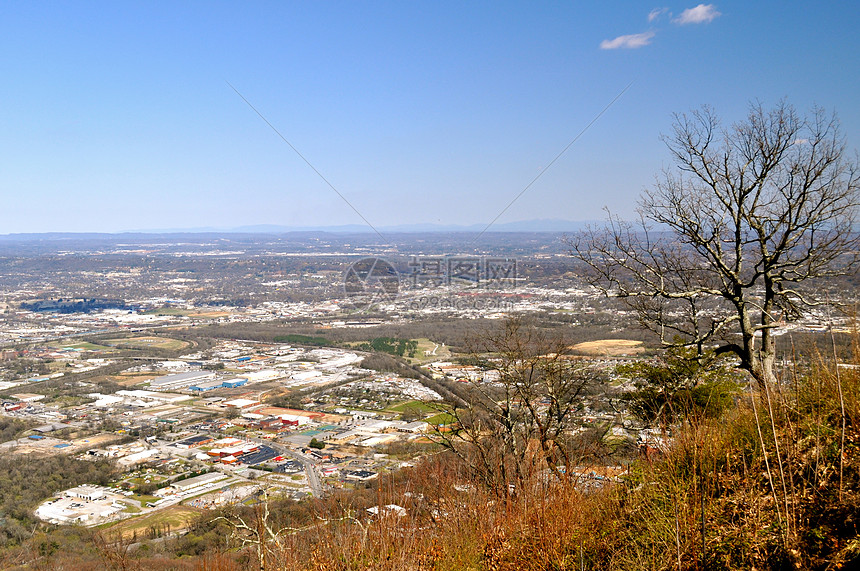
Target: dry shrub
x=771, y=484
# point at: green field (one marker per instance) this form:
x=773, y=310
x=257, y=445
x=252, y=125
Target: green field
x=165, y=343
x=424, y=344
x=414, y=405
x=144, y=499
x=441, y=419
x=141, y=480
x=167, y=311
x=179, y=312
x=85, y=346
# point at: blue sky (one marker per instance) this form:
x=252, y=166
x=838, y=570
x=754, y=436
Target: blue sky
x=117, y=116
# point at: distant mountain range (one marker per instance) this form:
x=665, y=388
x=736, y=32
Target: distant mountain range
x=542, y=225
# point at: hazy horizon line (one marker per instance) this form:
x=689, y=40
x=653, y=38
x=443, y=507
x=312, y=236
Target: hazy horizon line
x=535, y=225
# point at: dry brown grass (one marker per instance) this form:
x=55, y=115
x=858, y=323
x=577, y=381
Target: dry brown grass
x=174, y=518
x=758, y=488
x=608, y=347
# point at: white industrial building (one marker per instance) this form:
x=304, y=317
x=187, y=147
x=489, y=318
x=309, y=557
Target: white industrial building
x=85, y=504
x=180, y=380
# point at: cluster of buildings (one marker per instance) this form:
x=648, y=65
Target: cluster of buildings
x=227, y=450
x=207, y=410
x=194, y=485
x=83, y=504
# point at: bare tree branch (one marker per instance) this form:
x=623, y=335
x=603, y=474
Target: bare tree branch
x=729, y=242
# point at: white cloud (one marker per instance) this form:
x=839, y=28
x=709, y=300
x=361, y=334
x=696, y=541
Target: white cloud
x=631, y=41
x=656, y=13
x=702, y=13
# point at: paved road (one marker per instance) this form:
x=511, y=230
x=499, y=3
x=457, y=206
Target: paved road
x=310, y=464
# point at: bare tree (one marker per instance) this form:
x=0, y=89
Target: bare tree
x=259, y=532
x=511, y=427
x=730, y=241
x=116, y=551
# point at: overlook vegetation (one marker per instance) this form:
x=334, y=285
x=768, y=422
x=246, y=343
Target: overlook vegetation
x=768, y=480
x=771, y=483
